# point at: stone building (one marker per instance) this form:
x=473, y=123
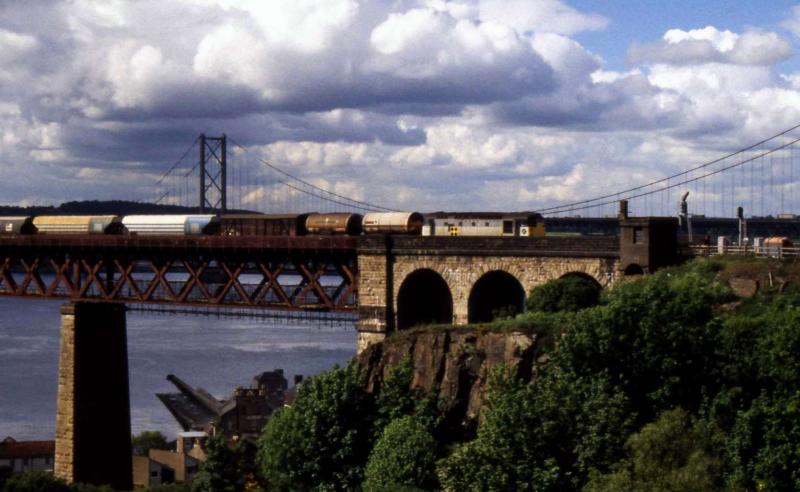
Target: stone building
x=241, y=416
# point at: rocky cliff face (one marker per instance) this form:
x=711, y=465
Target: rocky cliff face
x=455, y=362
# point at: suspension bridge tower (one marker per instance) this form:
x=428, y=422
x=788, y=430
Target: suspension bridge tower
x=213, y=174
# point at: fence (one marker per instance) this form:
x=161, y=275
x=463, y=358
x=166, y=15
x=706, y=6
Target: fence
x=746, y=250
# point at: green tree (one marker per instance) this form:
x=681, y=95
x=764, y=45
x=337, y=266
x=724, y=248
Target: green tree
x=220, y=471
x=545, y=436
x=148, y=440
x=657, y=339
x=404, y=456
x=764, y=443
x=672, y=454
x=323, y=440
x=570, y=293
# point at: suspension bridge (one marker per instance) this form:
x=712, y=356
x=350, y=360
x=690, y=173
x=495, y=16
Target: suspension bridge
x=762, y=178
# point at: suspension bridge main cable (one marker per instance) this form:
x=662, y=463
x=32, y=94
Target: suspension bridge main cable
x=180, y=159
x=681, y=183
x=172, y=168
x=360, y=204
x=569, y=206
x=286, y=183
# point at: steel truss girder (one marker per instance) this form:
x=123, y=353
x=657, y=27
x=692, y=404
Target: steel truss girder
x=325, y=280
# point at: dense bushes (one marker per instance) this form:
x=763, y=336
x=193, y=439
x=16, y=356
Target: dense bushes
x=45, y=482
x=668, y=383
x=665, y=383
x=671, y=454
x=570, y=293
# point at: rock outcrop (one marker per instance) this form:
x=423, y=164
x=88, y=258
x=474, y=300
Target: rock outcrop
x=457, y=363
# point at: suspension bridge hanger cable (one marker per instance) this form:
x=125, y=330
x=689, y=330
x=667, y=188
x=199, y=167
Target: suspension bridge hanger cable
x=558, y=208
x=180, y=159
x=681, y=183
x=360, y=204
x=286, y=183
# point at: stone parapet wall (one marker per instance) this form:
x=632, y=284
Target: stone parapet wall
x=383, y=268
x=462, y=272
x=570, y=246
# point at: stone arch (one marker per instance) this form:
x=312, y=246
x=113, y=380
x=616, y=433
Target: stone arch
x=423, y=297
x=584, y=276
x=633, y=269
x=495, y=290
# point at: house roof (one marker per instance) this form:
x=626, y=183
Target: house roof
x=9, y=448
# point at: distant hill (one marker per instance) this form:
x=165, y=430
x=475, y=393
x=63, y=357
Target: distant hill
x=95, y=207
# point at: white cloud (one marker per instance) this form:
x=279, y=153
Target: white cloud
x=425, y=104
x=710, y=45
x=540, y=16
x=15, y=46
x=793, y=22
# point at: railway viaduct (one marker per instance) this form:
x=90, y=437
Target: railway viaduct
x=394, y=282
x=407, y=280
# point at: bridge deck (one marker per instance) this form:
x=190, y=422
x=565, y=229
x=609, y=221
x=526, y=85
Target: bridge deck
x=316, y=273
x=122, y=242
x=311, y=273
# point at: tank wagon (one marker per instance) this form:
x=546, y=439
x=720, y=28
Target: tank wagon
x=519, y=224
x=392, y=223
x=774, y=246
x=342, y=223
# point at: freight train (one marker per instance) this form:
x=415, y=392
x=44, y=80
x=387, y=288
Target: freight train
x=216, y=225
x=411, y=223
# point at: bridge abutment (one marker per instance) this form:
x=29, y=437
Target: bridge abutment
x=93, y=429
x=375, y=294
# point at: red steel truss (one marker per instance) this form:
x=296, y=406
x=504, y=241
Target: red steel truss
x=300, y=273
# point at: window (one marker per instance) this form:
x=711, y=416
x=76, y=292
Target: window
x=508, y=227
x=638, y=235
x=487, y=224
x=154, y=473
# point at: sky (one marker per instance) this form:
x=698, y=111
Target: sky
x=412, y=104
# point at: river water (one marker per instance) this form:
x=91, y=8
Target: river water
x=215, y=353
